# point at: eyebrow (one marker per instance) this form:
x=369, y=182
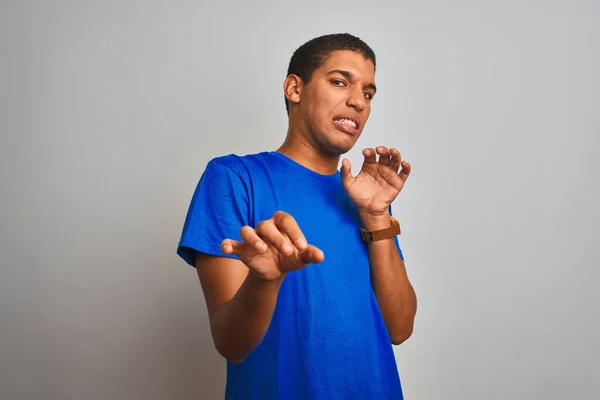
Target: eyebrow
x=348, y=75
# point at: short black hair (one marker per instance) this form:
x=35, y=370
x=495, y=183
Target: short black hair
x=312, y=54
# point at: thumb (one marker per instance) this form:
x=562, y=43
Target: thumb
x=312, y=255
x=229, y=246
x=346, y=172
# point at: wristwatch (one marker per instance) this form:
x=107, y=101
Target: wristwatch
x=386, y=233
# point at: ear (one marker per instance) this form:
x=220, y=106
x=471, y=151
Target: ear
x=292, y=87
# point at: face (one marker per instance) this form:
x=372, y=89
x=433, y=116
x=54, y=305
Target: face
x=335, y=105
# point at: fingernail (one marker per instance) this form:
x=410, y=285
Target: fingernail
x=287, y=249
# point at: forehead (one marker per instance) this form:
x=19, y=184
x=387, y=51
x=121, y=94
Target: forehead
x=350, y=61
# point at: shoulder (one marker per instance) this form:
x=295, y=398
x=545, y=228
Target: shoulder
x=243, y=166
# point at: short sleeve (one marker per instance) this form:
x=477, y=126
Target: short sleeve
x=396, y=240
x=218, y=210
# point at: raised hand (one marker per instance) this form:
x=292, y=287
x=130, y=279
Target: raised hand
x=276, y=247
x=378, y=183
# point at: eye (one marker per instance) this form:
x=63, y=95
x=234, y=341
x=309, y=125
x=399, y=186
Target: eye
x=368, y=96
x=337, y=82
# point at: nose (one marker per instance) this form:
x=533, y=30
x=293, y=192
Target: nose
x=356, y=99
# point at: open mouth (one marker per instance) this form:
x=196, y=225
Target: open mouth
x=347, y=125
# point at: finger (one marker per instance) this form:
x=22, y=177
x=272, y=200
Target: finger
x=251, y=238
x=395, y=160
x=370, y=156
x=405, y=171
x=346, y=172
x=229, y=246
x=384, y=155
x=312, y=255
x=270, y=234
x=391, y=177
x=287, y=225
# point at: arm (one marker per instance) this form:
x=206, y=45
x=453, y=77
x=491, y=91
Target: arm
x=240, y=305
x=372, y=191
x=394, y=293
x=241, y=295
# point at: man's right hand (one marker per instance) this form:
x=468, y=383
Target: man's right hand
x=276, y=247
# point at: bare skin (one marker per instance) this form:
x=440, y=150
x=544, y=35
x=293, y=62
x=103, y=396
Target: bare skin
x=241, y=294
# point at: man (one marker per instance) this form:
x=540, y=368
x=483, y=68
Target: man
x=299, y=263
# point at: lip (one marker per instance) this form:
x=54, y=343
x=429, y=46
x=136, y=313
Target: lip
x=346, y=128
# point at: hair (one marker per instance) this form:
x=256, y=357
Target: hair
x=311, y=55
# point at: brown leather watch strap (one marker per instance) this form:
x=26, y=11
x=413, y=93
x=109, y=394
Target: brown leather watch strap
x=373, y=236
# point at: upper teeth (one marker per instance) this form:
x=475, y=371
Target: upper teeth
x=347, y=122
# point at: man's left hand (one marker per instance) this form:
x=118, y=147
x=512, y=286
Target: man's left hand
x=378, y=183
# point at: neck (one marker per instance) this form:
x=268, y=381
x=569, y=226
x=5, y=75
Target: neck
x=300, y=149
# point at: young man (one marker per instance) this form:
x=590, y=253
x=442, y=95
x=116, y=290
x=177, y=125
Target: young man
x=300, y=265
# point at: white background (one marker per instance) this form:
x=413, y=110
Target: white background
x=109, y=112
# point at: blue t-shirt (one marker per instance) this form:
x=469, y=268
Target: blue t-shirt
x=327, y=338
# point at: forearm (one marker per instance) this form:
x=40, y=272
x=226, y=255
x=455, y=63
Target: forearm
x=239, y=325
x=394, y=293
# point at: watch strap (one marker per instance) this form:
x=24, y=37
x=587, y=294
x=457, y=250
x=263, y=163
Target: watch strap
x=386, y=233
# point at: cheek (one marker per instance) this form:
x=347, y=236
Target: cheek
x=331, y=105
x=367, y=112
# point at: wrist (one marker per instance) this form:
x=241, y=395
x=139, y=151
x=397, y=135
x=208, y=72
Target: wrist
x=264, y=282
x=374, y=222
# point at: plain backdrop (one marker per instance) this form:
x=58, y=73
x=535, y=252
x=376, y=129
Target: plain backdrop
x=110, y=110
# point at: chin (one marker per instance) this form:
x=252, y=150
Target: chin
x=336, y=149
x=335, y=143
